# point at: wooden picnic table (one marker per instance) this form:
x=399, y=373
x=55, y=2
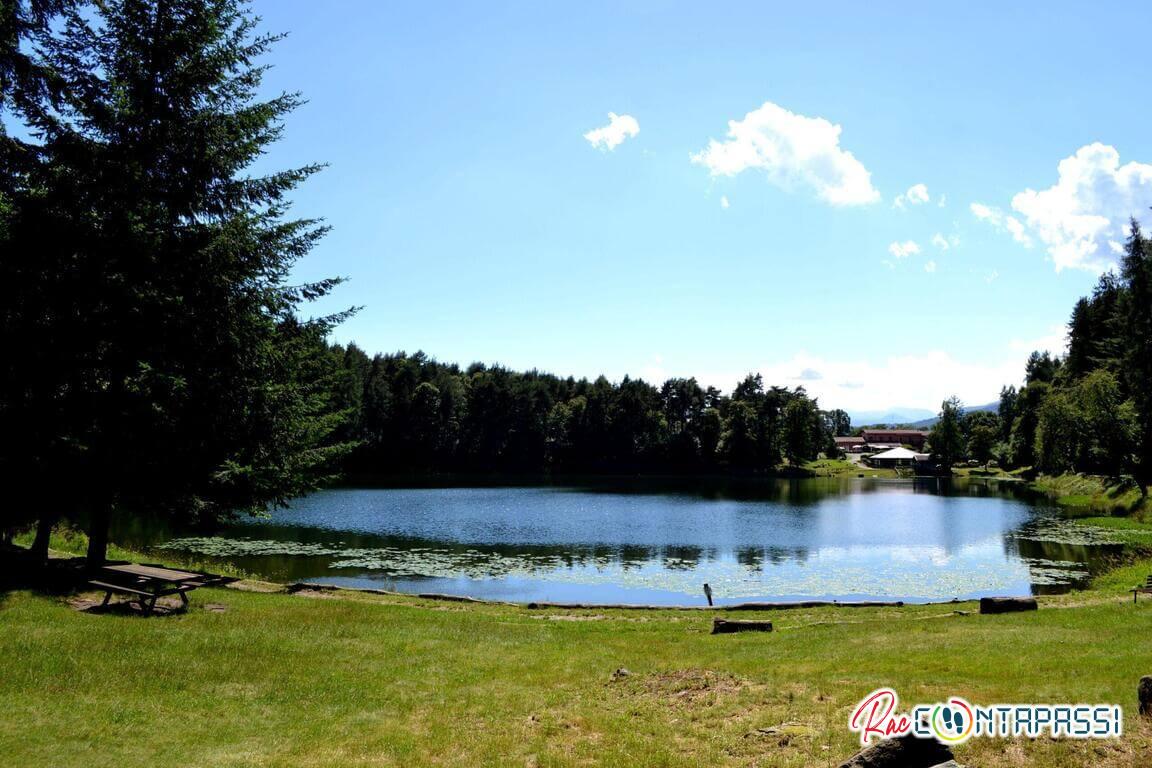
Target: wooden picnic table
x=153, y=572
x=145, y=584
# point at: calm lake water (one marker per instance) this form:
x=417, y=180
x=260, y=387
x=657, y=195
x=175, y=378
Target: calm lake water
x=647, y=542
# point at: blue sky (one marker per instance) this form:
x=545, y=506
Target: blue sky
x=737, y=230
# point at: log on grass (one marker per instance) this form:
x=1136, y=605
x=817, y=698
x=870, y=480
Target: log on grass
x=728, y=626
x=1007, y=604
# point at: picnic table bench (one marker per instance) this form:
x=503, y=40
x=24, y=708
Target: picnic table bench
x=1146, y=589
x=145, y=583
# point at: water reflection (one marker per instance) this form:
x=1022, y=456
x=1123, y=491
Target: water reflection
x=659, y=540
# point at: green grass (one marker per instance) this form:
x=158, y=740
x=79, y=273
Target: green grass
x=374, y=680
x=845, y=468
x=1090, y=494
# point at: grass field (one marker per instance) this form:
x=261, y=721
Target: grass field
x=253, y=679
x=1092, y=495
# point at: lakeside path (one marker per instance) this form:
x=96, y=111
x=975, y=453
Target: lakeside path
x=253, y=678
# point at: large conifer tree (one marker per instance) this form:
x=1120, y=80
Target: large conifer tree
x=189, y=385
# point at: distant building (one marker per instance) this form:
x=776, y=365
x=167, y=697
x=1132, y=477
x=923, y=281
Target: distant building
x=850, y=444
x=897, y=457
x=892, y=437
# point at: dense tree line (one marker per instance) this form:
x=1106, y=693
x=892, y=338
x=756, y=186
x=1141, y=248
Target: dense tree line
x=1091, y=410
x=410, y=413
x=155, y=357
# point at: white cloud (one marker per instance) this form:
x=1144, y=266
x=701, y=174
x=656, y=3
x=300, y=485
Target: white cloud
x=943, y=201
x=1002, y=221
x=930, y=266
x=619, y=128
x=941, y=242
x=792, y=150
x=1055, y=341
x=904, y=250
x=991, y=276
x=917, y=194
x=723, y=201
x=920, y=380
x=913, y=380
x=1088, y=208
x=654, y=371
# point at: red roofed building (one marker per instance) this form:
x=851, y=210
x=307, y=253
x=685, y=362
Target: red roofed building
x=913, y=437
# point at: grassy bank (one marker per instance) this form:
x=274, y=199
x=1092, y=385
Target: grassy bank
x=1085, y=495
x=254, y=679
x=845, y=468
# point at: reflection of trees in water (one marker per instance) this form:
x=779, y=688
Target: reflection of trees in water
x=291, y=553
x=1056, y=560
x=794, y=504
x=755, y=558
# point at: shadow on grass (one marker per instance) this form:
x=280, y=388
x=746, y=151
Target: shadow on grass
x=21, y=570
x=164, y=607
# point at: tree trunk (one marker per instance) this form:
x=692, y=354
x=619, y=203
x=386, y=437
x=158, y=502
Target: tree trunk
x=98, y=525
x=43, y=534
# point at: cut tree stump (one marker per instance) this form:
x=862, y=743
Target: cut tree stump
x=1007, y=604
x=1144, y=692
x=727, y=626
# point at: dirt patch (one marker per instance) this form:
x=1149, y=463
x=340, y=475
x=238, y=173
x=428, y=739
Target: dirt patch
x=250, y=585
x=683, y=688
x=562, y=617
x=317, y=594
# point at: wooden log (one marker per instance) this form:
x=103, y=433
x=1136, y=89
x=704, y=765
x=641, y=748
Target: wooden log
x=1144, y=693
x=728, y=626
x=449, y=598
x=813, y=604
x=1007, y=604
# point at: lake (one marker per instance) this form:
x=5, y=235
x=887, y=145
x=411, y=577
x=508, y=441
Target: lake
x=658, y=542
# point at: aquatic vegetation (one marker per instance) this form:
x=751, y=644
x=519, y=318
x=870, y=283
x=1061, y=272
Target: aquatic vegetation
x=915, y=574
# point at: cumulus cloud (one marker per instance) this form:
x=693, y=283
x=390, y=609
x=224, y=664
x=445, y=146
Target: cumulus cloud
x=1083, y=216
x=904, y=250
x=619, y=128
x=1002, y=221
x=920, y=380
x=942, y=243
x=930, y=266
x=793, y=151
x=917, y=194
x=723, y=201
x=1055, y=341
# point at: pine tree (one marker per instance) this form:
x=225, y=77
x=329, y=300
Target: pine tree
x=193, y=387
x=1136, y=271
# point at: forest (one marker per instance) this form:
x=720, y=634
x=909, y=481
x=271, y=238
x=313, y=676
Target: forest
x=412, y=414
x=1090, y=410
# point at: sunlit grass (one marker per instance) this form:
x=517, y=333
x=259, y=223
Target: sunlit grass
x=278, y=680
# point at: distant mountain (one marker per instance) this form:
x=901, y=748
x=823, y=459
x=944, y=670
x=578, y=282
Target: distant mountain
x=929, y=423
x=890, y=416
x=917, y=418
